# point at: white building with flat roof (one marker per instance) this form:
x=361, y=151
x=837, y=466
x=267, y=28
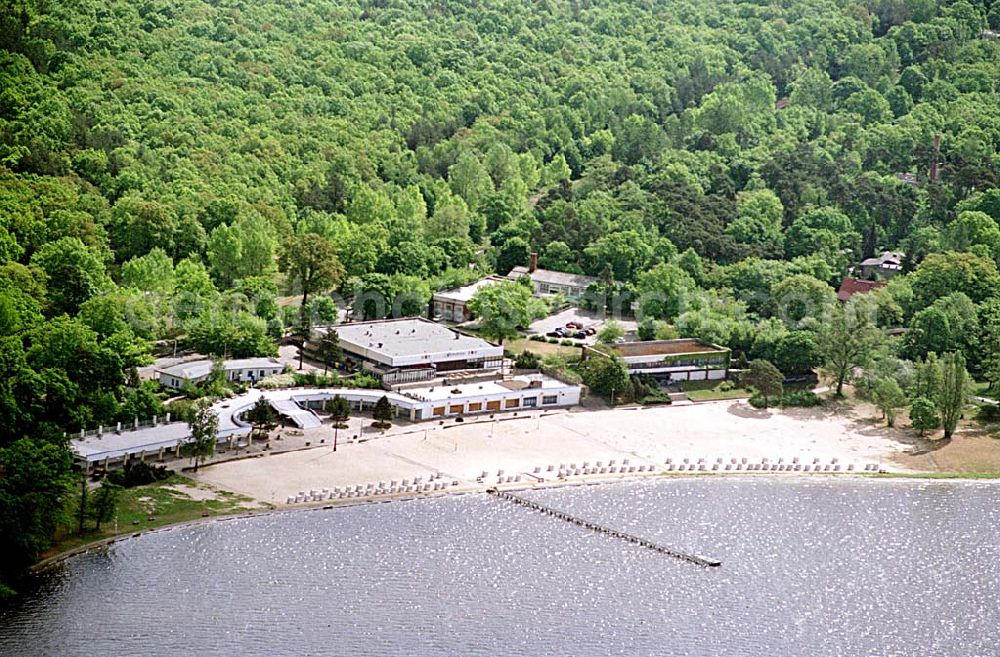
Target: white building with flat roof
x=237, y=370
x=670, y=361
x=414, y=343
x=108, y=448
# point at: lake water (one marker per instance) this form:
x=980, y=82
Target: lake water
x=811, y=566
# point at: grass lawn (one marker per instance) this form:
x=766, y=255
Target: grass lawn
x=982, y=389
x=174, y=500
x=933, y=475
x=542, y=348
x=711, y=391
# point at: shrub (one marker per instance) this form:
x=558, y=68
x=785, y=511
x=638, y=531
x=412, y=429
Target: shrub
x=138, y=473
x=552, y=340
x=800, y=399
x=988, y=413
x=180, y=409
x=277, y=381
x=646, y=390
x=567, y=343
x=362, y=380
x=537, y=338
x=796, y=399
x=527, y=360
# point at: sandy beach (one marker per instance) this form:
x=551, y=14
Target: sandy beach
x=463, y=452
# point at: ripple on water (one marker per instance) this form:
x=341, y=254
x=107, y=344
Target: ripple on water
x=810, y=567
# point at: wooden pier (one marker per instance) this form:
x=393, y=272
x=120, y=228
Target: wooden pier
x=561, y=515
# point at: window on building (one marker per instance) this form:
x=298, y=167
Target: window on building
x=550, y=399
x=531, y=401
x=512, y=403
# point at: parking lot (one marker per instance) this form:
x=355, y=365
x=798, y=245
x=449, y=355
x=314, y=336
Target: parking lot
x=574, y=314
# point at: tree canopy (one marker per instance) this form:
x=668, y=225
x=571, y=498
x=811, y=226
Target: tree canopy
x=179, y=171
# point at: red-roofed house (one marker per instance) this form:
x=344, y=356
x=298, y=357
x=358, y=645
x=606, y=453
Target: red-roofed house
x=851, y=286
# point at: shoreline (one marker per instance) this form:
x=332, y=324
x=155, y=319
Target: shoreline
x=57, y=559
x=541, y=446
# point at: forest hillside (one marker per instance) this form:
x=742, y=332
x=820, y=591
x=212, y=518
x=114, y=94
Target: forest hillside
x=165, y=165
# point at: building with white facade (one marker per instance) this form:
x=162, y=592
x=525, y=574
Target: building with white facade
x=669, y=361
x=453, y=305
x=547, y=281
x=885, y=265
x=159, y=441
x=239, y=370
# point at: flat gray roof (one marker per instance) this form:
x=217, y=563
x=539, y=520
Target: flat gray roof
x=464, y=293
x=551, y=277
x=411, y=341
x=114, y=445
x=196, y=369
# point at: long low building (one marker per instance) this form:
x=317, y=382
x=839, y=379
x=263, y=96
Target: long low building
x=670, y=361
x=518, y=393
x=452, y=305
x=237, y=370
x=413, y=349
x=546, y=281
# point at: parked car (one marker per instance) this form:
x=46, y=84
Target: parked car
x=580, y=335
x=560, y=330
x=574, y=325
x=590, y=330
x=554, y=334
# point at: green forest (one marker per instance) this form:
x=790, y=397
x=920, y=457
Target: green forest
x=170, y=169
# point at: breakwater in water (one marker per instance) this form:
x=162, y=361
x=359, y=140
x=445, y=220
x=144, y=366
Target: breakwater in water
x=562, y=515
x=812, y=566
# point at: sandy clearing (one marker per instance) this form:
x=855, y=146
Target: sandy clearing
x=197, y=494
x=517, y=445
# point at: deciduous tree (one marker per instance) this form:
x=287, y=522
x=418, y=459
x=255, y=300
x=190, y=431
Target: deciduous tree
x=954, y=391
x=924, y=415
x=889, y=398
x=311, y=262
x=610, y=333
x=204, y=426
x=607, y=376
x=105, y=503
x=503, y=308
x=848, y=338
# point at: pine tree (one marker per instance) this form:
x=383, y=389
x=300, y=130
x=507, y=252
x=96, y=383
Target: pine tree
x=383, y=412
x=261, y=416
x=766, y=379
x=330, y=349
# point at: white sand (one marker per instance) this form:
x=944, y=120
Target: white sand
x=517, y=445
